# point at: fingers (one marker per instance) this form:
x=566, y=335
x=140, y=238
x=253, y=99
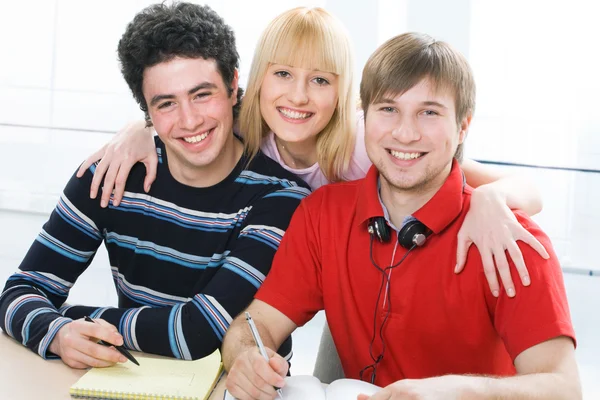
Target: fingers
x=242, y=389
x=109, y=183
x=121, y=179
x=461, y=253
x=528, y=238
x=78, y=347
x=98, y=175
x=90, y=160
x=103, y=355
x=151, y=163
x=504, y=271
x=384, y=394
x=100, y=331
x=252, y=377
x=106, y=324
x=490, y=272
x=265, y=375
x=279, y=365
x=79, y=359
x=517, y=258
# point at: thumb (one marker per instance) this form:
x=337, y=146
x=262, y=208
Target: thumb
x=362, y=397
x=461, y=253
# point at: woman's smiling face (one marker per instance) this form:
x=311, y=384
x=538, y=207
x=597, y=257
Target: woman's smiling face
x=297, y=103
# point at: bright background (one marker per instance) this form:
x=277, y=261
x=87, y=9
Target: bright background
x=536, y=64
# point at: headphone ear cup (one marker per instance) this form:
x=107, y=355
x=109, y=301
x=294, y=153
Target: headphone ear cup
x=379, y=228
x=413, y=233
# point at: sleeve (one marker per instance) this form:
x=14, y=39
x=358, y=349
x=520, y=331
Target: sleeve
x=62, y=251
x=294, y=283
x=539, y=312
x=195, y=328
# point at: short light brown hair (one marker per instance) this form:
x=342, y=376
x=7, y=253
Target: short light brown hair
x=314, y=39
x=405, y=60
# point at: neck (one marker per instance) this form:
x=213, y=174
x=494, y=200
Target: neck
x=401, y=203
x=297, y=155
x=209, y=175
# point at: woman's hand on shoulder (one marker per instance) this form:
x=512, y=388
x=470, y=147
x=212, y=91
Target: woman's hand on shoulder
x=492, y=226
x=134, y=143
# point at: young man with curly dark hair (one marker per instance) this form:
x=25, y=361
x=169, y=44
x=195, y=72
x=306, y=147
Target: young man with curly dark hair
x=189, y=254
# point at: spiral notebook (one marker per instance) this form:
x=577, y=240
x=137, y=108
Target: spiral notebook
x=154, y=378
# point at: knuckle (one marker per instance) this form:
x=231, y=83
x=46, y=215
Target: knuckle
x=254, y=392
x=489, y=270
x=256, y=380
x=256, y=363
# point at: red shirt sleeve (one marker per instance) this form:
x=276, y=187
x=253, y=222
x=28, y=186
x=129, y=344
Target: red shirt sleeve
x=539, y=312
x=293, y=286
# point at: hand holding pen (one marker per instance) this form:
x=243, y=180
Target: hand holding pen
x=259, y=343
x=120, y=349
x=76, y=343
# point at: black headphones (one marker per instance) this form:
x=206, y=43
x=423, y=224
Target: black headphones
x=413, y=233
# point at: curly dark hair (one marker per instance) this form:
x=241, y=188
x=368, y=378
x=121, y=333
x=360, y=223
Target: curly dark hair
x=162, y=32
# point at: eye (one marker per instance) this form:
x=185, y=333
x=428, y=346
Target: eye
x=202, y=95
x=282, y=74
x=387, y=109
x=166, y=104
x=321, y=81
x=430, y=112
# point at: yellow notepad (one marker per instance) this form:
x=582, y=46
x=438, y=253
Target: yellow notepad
x=154, y=378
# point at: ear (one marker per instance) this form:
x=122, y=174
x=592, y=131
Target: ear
x=235, y=86
x=464, y=128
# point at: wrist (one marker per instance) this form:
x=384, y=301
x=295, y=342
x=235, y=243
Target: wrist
x=54, y=346
x=488, y=194
x=477, y=388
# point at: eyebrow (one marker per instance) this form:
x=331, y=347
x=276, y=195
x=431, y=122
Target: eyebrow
x=201, y=86
x=312, y=70
x=434, y=104
x=430, y=103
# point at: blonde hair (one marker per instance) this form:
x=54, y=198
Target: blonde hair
x=403, y=61
x=308, y=38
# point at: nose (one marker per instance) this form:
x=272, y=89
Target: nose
x=190, y=118
x=407, y=131
x=298, y=93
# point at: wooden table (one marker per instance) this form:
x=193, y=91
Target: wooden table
x=25, y=375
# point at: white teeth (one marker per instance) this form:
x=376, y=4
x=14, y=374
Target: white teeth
x=405, y=156
x=294, y=114
x=196, y=139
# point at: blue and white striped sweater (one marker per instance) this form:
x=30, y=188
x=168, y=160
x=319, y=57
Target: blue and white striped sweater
x=184, y=260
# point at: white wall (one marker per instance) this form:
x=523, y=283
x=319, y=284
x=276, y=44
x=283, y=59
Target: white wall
x=62, y=95
x=61, y=91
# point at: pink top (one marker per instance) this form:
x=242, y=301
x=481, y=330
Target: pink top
x=359, y=162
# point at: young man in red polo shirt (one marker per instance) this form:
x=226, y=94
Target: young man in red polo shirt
x=377, y=255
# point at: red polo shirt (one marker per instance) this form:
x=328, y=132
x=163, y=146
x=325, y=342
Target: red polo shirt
x=440, y=323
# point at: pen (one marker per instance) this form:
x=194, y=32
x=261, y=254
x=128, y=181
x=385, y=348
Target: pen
x=259, y=343
x=120, y=349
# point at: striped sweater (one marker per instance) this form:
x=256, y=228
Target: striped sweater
x=184, y=260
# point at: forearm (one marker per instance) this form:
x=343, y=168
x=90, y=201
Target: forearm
x=239, y=339
x=180, y=331
x=517, y=192
x=546, y=386
x=30, y=318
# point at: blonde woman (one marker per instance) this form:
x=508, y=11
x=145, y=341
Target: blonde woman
x=300, y=110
